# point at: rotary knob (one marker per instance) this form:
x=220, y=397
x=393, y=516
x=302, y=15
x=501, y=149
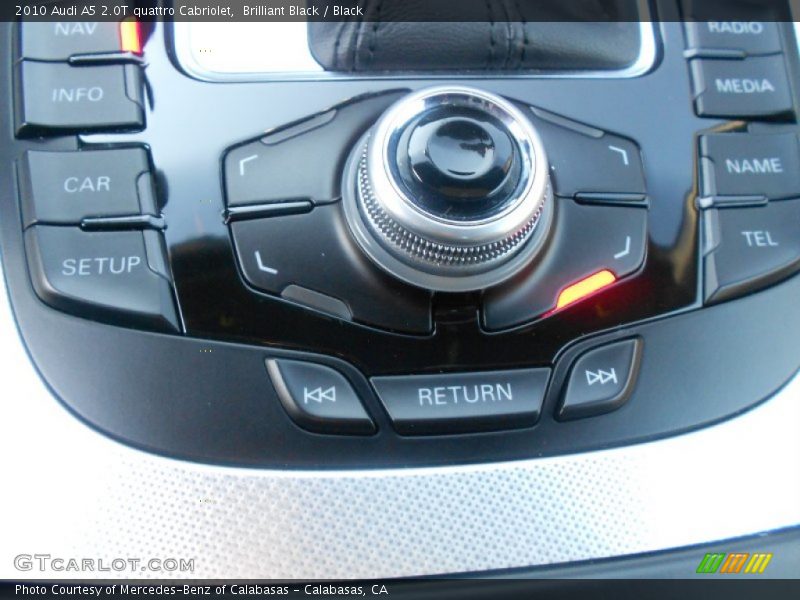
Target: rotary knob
x=449, y=190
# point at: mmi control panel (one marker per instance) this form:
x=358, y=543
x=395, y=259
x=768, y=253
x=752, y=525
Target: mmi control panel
x=397, y=271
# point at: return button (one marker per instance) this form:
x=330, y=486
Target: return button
x=463, y=402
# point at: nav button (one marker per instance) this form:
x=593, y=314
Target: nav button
x=601, y=380
x=463, y=402
x=319, y=398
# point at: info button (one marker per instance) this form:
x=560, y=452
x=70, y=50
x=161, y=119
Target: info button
x=463, y=402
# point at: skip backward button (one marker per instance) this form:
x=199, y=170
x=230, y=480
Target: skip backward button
x=319, y=398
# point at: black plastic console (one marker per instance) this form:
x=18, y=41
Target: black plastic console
x=220, y=309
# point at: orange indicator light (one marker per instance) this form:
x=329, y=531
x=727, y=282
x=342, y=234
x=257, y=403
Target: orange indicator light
x=585, y=287
x=130, y=36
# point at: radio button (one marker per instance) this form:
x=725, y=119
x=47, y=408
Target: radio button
x=750, y=38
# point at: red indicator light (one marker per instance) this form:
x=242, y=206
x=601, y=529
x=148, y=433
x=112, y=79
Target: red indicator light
x=130, y=36
x=585, y=287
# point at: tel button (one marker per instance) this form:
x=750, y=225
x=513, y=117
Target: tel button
x=750, y=248
x=57, y=96
x=318, y=398
x=121, y=276
x=463, y=402
x=601, y=380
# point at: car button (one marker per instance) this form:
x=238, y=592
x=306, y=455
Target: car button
x=745, y=38
x=750, y=248
x=119, y=276
x=67, y=187
x=293, y=254
x=614, y=163
x=752, y=87
x=319, y=398
x=747, y=164
x=62, y=40
x=56, y=96
x=601, y=380
x=463, y=402
x=588, y=241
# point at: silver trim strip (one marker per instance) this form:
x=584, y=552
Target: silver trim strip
x=250, y=54
x=74, y=492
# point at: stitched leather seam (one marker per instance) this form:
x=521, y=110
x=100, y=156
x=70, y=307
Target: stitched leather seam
x=376, y=24
x=358, y=34
x=490, y=61
x=336, y=46
x=525, y=40
x=509, y=37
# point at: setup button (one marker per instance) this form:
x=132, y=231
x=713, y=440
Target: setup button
x=118, y=276
x=463, y=402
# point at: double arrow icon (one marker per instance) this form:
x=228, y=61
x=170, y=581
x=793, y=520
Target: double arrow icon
x=601, y=376
x=318, y=394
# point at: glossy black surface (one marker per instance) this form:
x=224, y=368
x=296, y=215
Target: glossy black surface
x=314, y=250
x=458, y=163
x=207, y=396
x=187, y=146
x=216, y=303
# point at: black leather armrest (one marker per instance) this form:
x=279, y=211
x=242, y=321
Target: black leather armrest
x=496, y=35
